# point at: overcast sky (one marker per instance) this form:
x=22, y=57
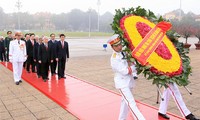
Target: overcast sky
x=59, y=6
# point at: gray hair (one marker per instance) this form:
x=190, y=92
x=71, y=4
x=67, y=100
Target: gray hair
x=45, y=37
x=36, y=36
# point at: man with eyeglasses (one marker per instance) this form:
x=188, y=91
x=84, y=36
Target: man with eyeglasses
x=17, y=55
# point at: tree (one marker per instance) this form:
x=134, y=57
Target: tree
x=197, y=32
x=186, y=31
x=2, y=17
x=105, y=21
x=185, y=27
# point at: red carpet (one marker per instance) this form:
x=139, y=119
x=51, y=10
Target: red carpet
x=84, y=100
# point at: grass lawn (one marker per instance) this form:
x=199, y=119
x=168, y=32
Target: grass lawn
x=68, y=34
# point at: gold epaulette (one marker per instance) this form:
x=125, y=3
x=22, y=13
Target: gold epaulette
x=114, y=55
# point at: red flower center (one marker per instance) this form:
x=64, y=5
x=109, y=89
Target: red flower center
x=162, y=49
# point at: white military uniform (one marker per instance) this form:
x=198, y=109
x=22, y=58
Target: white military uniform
x=124, y=82
x=174, y=91
x=17, y=55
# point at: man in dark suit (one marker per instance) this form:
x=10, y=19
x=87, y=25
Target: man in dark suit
x=30, y=43
x=2, y=49
x=7, y=43
x=62, y=55
x=53, y=43
x=35, y=55
x=27, y=37
x=45, y=57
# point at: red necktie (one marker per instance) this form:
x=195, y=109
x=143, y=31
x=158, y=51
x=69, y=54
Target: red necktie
x=32, y=42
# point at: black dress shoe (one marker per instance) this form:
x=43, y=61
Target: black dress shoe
x=44, y=80
x=20, y=81
x=191, y=117
x=17, y=83
x=163, y=115
x=59, y=78
x=28, y=71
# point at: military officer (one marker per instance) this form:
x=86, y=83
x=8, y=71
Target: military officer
x=7, y=43
x=123, y=79
x=17, y=55
x=174, y=91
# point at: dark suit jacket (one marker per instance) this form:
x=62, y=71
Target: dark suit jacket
x=45, y=55
x=29, y=48
x=35, y=51
x=7, y=42
x=2, y=48
x=53, y=45
x=62, y=52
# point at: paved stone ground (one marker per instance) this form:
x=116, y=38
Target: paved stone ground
x=97, y=70
x=26, y=103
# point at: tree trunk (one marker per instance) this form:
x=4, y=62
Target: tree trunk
x=186, y=40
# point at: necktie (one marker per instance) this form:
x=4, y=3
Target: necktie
x=62, y=44
x=32, y=42
x=46, y=46
x=18, y=42
x=123, y=55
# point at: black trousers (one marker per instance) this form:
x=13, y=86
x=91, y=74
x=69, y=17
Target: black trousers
x=44, y=70
x=31, y=62
x=2, y=56
x=53, y=67
x=7, y=54
x=38, y=67
x=25, y=64
x=61, y=67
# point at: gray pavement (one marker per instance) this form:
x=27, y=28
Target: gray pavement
x=91, y=63
x=97, y=70
x=24, y=102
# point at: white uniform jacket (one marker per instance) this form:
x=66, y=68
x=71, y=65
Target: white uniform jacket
x=120, y=67
x=17, y=51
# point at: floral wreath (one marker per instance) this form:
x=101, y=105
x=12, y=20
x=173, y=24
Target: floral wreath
x=168, y=63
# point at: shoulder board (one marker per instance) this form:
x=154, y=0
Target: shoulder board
x=114, y=55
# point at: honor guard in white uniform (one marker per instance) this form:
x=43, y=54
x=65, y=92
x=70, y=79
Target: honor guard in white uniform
x=123, y=79
x=174, y=91
x=17, y=55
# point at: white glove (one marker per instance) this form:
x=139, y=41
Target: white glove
x=134, y=74
x=133, y=68
x=10, y=59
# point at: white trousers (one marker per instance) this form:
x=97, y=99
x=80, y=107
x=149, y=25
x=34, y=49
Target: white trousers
x=17, y=70
x=128, y=102
x=174, y=91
